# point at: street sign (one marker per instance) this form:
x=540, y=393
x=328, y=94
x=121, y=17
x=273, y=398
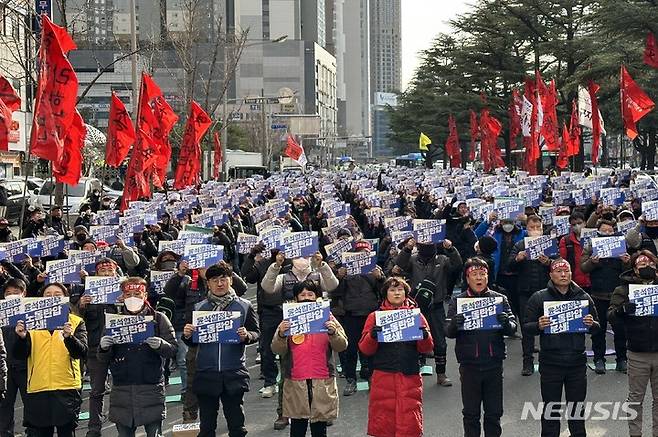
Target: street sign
x=279, y=126
x=251, y=100
x=273, y=100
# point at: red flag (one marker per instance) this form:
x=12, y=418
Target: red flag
x=490, y=128
x=635, y=104
x=293, y=149
x=593, y=88
x=563, y=156
x=120, y=133
x=54, y=108
x=189, y=160
x=452, y=144
x=218, y=156
x=147, y=124
x=549, y=128
x=9, y=102
x=136, y=186
x=514, y=113
x=574, y=131
x=167, y=118
x=531, y=143
x=69, y=168
x=475, y=131
x=651, y=51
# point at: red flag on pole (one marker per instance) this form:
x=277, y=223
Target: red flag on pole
x=563, y=156
x=120, y=133
x=452, y=144
x=514, y=113
x=635, y=103
x=217, y=164
x=293, y=149
x=9, y=102
x=574, y=131
x=531, y=142
x=167, y=118
x=136, y=186
x=549, y=128
x=189, y=160
x=69, y=168
x=475, y=131
x=593, y=88
x=490, y=128
x=54, y=108
x=651, y=51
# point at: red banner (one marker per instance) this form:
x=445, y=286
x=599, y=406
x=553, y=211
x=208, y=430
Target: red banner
x=549, y=128
x=293, y=149
x=651, y=51
x=120, y=133
x=217, y=164
x=563, y=156
x=475, y=132
x=69, y=169
x=57, y=89
x=452, y=144
x=574, y=131
x=189, y=160
x=514, y=112
x=9, y=103
x=596, y=121
x=635, y=103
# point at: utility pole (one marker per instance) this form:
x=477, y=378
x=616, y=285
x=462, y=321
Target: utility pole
x=133, y=58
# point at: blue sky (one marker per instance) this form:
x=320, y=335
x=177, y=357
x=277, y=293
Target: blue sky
x=421, y=21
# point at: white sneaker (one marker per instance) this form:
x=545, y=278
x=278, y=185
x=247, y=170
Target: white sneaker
x=268, y=391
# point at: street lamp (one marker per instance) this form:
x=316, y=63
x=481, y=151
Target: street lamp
x=224, y=132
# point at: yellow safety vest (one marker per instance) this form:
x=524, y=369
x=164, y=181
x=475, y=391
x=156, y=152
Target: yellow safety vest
x=49, y=366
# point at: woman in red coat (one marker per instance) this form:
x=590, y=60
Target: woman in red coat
x=395, y=408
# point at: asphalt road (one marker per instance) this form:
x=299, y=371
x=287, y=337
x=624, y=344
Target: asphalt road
x=442, y=405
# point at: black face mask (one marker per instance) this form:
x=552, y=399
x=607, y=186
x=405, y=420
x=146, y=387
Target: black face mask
x=648, y=273
x=306, y=301
x=80, y=237
x=652, y=232
x=426, y=251
x=4, y=232
x=168, y=265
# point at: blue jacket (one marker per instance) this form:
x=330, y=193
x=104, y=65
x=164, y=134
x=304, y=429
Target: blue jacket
x=518, y=235
x=220, y=357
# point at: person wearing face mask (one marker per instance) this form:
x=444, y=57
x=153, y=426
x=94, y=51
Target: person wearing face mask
x=309, y=386
x=507, y=234
x=277, y=285
x=80, y=235
x=605, y=277
x=221, y=373
x=5, y=233
x=534, y=274
x=562, y=359
x=138, y=390
x=94, y=317
x=432, y=270
x=54, y=377
x=13, y=370
x=395, y=404
x=106, y=203
x=35, y=226
x=84, y=219
x=571, y=249
x=167, y=226
x=641, y=338
x=643, y=237
x=636, y=207
x=480, y=354
x=360, y=296
x=57, y=223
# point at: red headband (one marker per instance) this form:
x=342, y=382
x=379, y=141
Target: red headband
x=643, y=258
x=474, y=268
x=131, y=286
x=559, y=265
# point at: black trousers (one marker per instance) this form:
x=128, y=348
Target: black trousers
x=508, y=282
x=436, y=319
x=527, y=341
x=598, y=339
x=49, y=431
x=482, y=388
x=270, y=319
x=233, y=413
x=16, y=383
x=298, y=428
x=573, y=380
x=353, y=326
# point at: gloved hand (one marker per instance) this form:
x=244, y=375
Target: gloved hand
x=154, y=342
x=374, y=331
x=503, y=318
x=458, y=319
x=628, y=308
x=106, y=342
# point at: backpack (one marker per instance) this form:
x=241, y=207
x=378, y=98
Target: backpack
x=423, y=295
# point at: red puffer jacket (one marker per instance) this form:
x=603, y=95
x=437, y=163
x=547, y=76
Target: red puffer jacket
x=395, y=408
x=572, y=252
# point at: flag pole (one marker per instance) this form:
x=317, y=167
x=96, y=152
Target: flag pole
x=66, y=199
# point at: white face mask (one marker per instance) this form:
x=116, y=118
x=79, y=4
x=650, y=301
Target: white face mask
x=134, y=304
x=12, y=296
x=508, y=227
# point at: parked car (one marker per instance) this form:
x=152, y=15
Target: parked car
x=16, y=194
x=77, y=195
